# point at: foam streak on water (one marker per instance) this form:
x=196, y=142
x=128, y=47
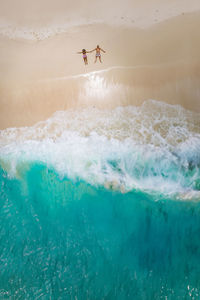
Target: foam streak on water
x=43, y=23
x=154, y=147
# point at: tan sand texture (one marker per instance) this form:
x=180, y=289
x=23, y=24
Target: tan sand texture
x=159, y=62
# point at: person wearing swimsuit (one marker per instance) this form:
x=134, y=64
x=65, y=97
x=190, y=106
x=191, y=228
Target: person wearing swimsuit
x=84, y=52
x=98, y=53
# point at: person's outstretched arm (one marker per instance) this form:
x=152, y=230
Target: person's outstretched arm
x=92, y=50
x=78, y=52
x=102, y=50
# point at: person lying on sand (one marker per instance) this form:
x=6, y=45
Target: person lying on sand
x=98, y=53
x=84, y=55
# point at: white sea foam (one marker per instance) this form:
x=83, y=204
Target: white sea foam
x=99, y=161
x=140, y=15
x=153, y=147
x=35, y=33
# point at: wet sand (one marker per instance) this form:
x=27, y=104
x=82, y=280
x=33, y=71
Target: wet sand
x=159, y=62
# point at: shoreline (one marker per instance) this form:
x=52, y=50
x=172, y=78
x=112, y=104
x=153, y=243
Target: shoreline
x=161, y=63
x=44, y=26
x=103, y=89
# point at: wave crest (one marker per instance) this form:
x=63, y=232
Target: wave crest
x=154, y=147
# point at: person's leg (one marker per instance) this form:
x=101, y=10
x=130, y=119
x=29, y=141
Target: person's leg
x=95, y=59
x=100, y=59
x=85, y=61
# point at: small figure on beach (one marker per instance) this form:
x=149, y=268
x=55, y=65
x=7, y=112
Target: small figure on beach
x=84, y=52
x=98, y=53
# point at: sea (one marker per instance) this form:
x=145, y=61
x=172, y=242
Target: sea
x=102, y=204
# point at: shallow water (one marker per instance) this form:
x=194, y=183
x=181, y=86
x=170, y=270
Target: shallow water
x=102, y=205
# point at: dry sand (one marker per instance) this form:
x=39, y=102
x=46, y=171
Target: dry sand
x=159, y=62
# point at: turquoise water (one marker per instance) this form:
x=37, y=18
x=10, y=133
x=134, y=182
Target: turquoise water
x=70, y=232
x=69, y=240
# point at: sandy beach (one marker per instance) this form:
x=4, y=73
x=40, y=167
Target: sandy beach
x=159, y=59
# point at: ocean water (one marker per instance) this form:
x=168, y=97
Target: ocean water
x=102, y=204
